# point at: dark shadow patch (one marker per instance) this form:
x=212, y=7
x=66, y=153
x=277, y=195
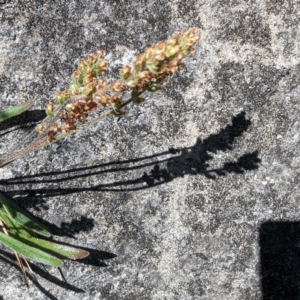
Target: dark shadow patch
x=245, y=27
x=26, y=120
x=192, y=160
x=69, y=229
x=96, y=258
x=255, y=85
x=280, y=260
x=9, y=259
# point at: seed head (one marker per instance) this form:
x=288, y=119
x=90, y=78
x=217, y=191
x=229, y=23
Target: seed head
x=90, y=72
x=76, y=74
x=172, y=51
x=103, y=64
x=161, y=56
x=160, y=47
x=70, y=106
x=149, y=70
x=101, y=53
x=117, y=87
x=50, y=109
x=125, y=72
x=63, y=96
x=100, y=83
x=116, y=99
x=91, y=59
x=81, y=63
x=88, y=89
x=40, y=128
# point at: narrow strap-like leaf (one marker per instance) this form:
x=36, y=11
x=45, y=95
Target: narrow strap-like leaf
x=29, y=252
x=59, y=250
x=11, y=209
x=14, y=111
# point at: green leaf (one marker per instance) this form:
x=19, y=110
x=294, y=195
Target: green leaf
x=59, y=250
x=29, y=252
x=14, y=111
x=12, y=210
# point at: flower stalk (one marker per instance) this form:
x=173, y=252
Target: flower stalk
x=88, y=91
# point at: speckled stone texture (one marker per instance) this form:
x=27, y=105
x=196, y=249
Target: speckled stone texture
x=195, y=193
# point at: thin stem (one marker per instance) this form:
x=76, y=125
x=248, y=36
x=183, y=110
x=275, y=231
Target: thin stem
x=43, y=141
x=47, y=123
x=104, y=115
x=23, y=152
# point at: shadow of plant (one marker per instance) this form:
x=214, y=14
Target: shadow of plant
x=155, y=170
x=9, y=258
x=69, y=229
x=28, y=119
x=174, y=163
x=96, y=258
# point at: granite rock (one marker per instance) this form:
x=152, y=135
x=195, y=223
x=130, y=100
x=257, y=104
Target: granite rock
x=192, y=195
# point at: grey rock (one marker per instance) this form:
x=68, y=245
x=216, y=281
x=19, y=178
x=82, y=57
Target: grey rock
x=195, y=193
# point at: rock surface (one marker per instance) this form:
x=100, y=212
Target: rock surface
x=195, y=193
